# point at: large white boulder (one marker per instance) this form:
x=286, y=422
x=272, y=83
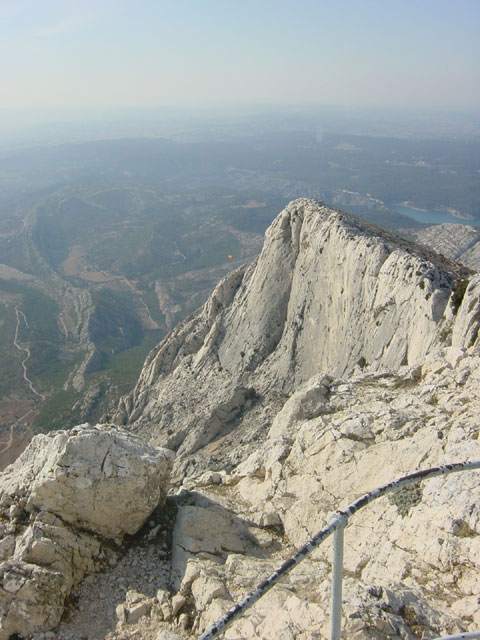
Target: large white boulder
x=63, y=495
x=101, y=478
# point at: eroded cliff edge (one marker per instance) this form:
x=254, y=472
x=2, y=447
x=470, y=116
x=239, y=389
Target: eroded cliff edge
x=329, y=293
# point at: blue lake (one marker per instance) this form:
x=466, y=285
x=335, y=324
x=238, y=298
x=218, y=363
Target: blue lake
x=432, y=216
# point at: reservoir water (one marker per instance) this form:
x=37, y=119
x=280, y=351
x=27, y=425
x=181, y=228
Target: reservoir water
x=432, y=216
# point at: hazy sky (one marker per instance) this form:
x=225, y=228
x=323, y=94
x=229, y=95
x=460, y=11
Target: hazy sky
x=102, y=53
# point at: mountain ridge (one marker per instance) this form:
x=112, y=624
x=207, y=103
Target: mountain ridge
x=337, y=361
x=457, y=241
x=328, y=293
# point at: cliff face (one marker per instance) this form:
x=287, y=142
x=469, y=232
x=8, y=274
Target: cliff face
x=456, y=241
x=328, y=293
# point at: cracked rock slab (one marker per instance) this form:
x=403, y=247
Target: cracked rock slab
x=100, y=478
x=60, y=499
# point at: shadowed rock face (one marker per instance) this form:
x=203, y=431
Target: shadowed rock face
x=328, y=293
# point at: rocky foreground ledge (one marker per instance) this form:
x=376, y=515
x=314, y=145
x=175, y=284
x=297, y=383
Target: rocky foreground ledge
x=62, y=501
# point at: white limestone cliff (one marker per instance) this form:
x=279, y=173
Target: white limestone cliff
x=328, y=293
x=341, y=359
x=456, y=241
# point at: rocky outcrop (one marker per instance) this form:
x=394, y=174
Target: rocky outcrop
x=79, y=475
x=411, y=560
x=456, y=241
x=66, y=493
x=341, y=359
x=328, y=293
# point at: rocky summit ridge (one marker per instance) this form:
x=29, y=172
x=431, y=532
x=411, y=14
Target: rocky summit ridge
x=456, y=241
x=342, y=358
x=328, y=293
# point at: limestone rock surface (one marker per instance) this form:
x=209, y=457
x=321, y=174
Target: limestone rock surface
x=97, y=477
x=341, y=359
x=456, y=241
x=412, y=561
x=63, y=496
x=329, y=293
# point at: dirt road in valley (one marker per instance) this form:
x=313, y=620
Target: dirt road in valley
x=19, y=433
x=7, y=444
x=26, y=350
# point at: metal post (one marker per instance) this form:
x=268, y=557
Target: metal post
x=337, y=578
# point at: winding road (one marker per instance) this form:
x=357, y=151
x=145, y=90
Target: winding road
x=25, y=349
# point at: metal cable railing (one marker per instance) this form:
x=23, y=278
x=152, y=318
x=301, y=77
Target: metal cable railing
x=459, y=636
x=336, y=525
